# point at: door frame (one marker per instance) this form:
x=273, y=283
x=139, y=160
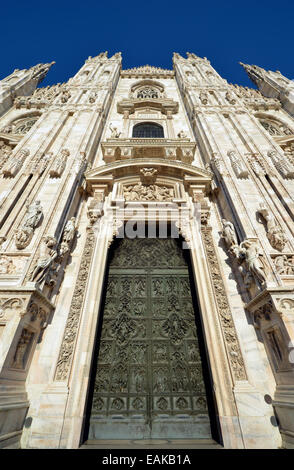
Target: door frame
x=108, y=211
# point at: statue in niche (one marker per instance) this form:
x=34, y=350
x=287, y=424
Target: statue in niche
x=114, y=132
x=32, y=218
x=69, y=230
x=59, y=164
x=237, y=165
x=15, y=163
x=229, y=233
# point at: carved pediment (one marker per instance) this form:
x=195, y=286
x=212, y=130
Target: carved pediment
x=130, y=170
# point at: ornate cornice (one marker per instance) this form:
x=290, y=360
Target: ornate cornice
x=147, y=71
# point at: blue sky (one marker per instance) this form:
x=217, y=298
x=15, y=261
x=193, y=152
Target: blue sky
x=256, y=32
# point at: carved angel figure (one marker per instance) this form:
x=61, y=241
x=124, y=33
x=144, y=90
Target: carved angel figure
x=251, y=252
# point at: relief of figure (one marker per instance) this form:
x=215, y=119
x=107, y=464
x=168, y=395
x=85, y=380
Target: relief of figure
x=275, y=233
x=15, y=163
x=20, y=353
x=251, y=252
x=203, y=97
x=32, y=218
x=48, y=253
x=140, y=192
x=6, y=266
x=114, y=132
x=229, y=233
x=58, y=166
x=284, y=264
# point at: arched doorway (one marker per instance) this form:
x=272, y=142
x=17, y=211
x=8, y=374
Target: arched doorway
x=150, y=375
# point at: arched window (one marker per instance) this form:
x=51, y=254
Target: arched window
x=148, y=129
x=147, y=92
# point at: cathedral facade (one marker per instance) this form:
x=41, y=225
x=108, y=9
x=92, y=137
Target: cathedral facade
x=146, y=258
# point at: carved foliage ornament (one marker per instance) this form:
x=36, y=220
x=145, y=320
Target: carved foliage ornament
x=71, y=328
x=226, y=320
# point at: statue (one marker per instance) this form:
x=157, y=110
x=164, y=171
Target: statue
x=237, y=165
x=15, y=163
x=230, y=98
x=48, y=253
x=92, y=97
x=282, y=165
x=203, y=97
x=229, y=233
x=182, y=135
x=114, y=132
x=251, y=252
x=58, y=166
x=32, y=217
x=69, y=230
x=65, y=96
x=275, y=233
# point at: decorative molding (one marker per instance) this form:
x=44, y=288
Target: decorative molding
x=72, y=324
x=225, y=315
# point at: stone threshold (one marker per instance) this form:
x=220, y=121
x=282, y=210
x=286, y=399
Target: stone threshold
x=151, y=444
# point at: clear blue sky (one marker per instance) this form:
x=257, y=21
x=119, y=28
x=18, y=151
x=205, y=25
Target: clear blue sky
x=257, y=32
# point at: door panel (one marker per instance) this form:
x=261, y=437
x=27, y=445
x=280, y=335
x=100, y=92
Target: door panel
x=149, y=379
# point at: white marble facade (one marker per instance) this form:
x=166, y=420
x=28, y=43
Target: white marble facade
x=68, y=159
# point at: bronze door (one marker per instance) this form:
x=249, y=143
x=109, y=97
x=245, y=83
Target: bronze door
x=149, y=377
